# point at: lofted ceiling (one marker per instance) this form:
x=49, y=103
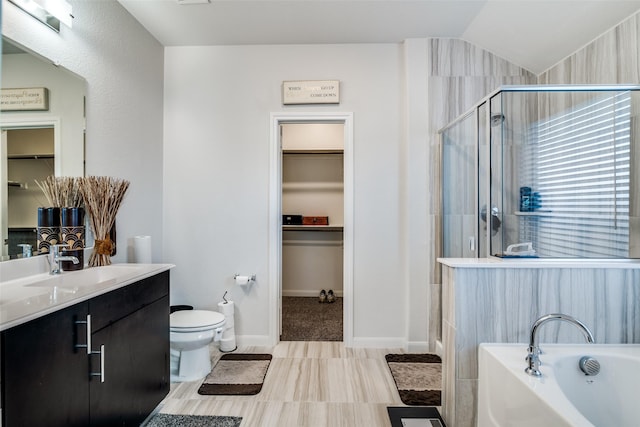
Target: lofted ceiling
x=534, y=34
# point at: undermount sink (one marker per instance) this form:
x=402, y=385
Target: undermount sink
x=14, y=294
x=40, y=287
x=88, y=276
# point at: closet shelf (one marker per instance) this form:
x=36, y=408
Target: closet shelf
x=29, y=156
x=312, y=186
x=317, y=151
x=312, y=228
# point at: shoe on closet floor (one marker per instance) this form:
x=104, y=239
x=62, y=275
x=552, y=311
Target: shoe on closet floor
x=330, y=296
x=323, y=296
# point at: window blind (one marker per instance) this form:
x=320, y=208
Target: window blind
x=581, y=170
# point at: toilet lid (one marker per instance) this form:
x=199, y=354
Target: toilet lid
x=195, y=318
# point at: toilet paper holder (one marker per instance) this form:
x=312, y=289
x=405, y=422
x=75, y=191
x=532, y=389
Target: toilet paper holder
x=244, y=280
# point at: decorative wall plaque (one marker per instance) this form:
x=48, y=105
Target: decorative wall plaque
x=311, y=92
x=25, y=99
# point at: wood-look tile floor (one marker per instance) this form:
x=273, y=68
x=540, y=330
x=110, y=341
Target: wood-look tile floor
x=308, y=384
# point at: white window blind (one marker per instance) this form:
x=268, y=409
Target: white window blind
x=582, y=160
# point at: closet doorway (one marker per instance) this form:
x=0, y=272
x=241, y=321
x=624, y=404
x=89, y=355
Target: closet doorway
x=311, y=227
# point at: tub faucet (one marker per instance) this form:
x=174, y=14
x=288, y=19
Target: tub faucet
x=533, y=360
x=55, y=258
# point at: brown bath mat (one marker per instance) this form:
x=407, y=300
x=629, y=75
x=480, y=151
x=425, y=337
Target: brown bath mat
x=237, y=374
x=418, y=377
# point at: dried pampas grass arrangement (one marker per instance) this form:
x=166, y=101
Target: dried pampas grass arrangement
x=62, y=191
x=102, y=198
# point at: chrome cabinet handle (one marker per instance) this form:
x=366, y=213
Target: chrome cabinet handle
x=88, y=333
x=102, y=371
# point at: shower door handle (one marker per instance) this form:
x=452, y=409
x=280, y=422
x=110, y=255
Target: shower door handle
x=472, y=244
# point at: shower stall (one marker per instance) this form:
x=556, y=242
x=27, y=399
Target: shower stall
x=544, y=172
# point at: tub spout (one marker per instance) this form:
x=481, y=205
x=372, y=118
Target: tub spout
x=533, y=360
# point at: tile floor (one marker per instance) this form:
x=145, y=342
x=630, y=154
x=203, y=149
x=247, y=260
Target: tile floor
x=308, y=384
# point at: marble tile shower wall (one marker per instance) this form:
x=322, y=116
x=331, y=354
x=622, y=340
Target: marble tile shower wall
x=612, y=58
x=460, y=74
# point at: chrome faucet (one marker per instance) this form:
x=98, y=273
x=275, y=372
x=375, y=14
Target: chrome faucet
x=533, y=360
x=26, y=250
x=55, y=258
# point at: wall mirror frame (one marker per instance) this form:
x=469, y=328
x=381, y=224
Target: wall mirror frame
x=23, y=68
x=544, y=172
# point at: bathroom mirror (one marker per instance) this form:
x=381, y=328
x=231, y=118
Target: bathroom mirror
x=36, y=142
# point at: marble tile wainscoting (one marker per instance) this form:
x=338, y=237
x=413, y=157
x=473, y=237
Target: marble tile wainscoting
x=489, y=300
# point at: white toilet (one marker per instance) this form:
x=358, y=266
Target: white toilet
x=191, y=331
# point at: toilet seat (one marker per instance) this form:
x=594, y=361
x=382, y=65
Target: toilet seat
x=195, y=320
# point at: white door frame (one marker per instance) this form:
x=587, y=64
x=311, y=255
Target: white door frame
x=22, y=122
x=275, y=218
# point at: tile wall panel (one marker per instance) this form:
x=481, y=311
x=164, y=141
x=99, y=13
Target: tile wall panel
x=607, y=301
x=500, y=305
x=460, y=74
x=612, y=58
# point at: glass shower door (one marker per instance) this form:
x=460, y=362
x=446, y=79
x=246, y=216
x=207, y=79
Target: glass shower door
x=483, y=205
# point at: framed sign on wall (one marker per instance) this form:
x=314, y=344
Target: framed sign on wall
x=311, y=92
x=25, y=99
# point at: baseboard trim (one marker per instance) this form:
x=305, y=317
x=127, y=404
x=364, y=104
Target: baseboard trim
x=361, y=342
x=418, y=347
x=381, y=342
x=307, y=293
x=254, y=340
x=439, y=349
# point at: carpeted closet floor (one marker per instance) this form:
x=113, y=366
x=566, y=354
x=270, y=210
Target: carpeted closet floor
x=305, y=319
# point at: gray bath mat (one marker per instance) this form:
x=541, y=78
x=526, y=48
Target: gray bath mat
x=418, y=377
x=171, y=420
x=237, y=374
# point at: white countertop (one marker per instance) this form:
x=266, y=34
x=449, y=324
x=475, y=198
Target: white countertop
x=632, y=264
x=26, y=298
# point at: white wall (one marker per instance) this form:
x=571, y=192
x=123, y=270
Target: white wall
x=216, y=193
x=123, y=66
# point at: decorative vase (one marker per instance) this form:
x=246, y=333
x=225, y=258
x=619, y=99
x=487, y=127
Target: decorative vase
x=102, y=197
x=72, y=232
x=48, y=230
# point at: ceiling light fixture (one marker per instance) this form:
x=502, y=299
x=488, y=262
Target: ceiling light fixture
x=49, y=12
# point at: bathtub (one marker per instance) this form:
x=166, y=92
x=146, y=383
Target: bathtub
x=563, y=395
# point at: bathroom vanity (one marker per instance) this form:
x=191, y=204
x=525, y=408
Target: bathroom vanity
x=95, y=354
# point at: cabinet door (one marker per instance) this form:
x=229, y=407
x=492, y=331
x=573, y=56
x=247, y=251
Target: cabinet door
x=136, y=367
x=44, y=376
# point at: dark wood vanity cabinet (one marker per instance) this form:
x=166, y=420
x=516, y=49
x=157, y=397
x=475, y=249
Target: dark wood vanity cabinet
x=44, y=377
x=48, y=379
